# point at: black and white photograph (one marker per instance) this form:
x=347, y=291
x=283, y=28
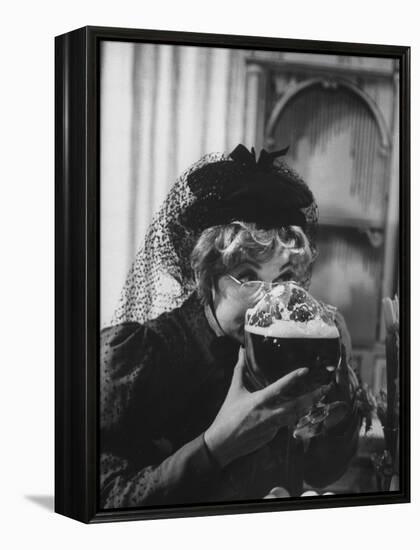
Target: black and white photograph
x=209, y=258
x=249, y=275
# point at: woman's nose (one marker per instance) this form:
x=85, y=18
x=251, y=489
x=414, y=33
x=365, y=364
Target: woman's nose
x=255, y=298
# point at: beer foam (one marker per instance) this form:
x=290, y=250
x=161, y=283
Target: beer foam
x=315, y=328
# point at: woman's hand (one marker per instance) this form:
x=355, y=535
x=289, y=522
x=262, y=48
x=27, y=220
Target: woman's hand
x=247, y=421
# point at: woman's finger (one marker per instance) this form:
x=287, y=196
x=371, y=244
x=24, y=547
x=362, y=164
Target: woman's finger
x=241, y=357
x=238, y=372
x=281, y=386
x=293, y=409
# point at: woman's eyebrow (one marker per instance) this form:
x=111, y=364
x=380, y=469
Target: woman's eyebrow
x=249, y=263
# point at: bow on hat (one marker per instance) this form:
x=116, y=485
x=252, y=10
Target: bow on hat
x=265, y=161
x=243, y=188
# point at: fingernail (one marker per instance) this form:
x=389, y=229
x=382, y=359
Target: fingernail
x=302, y=372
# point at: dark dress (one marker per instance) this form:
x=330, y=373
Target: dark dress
x=162, y=384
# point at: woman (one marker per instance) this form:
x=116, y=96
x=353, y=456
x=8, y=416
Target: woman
x=179, y=423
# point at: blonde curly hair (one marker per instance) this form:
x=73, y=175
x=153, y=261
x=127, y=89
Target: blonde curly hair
x=221, y=248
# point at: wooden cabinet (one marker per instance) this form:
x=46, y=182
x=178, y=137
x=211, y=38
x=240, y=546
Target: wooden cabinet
x=339, y=116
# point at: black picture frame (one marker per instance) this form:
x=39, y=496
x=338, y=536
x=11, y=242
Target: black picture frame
x=77, y=273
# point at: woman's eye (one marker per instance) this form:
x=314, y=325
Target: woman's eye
x=284, y=277
x=246, y=276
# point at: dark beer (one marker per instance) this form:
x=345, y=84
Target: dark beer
x=271, y=355
x=288, y=330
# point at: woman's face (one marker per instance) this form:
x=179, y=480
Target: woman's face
x=230, y=302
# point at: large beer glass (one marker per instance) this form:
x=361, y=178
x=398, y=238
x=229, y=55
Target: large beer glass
x=286, y=330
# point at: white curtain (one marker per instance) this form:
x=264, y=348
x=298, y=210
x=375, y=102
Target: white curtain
x=162, y=107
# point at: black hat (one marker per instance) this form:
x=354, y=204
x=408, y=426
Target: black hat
x=265, y=192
